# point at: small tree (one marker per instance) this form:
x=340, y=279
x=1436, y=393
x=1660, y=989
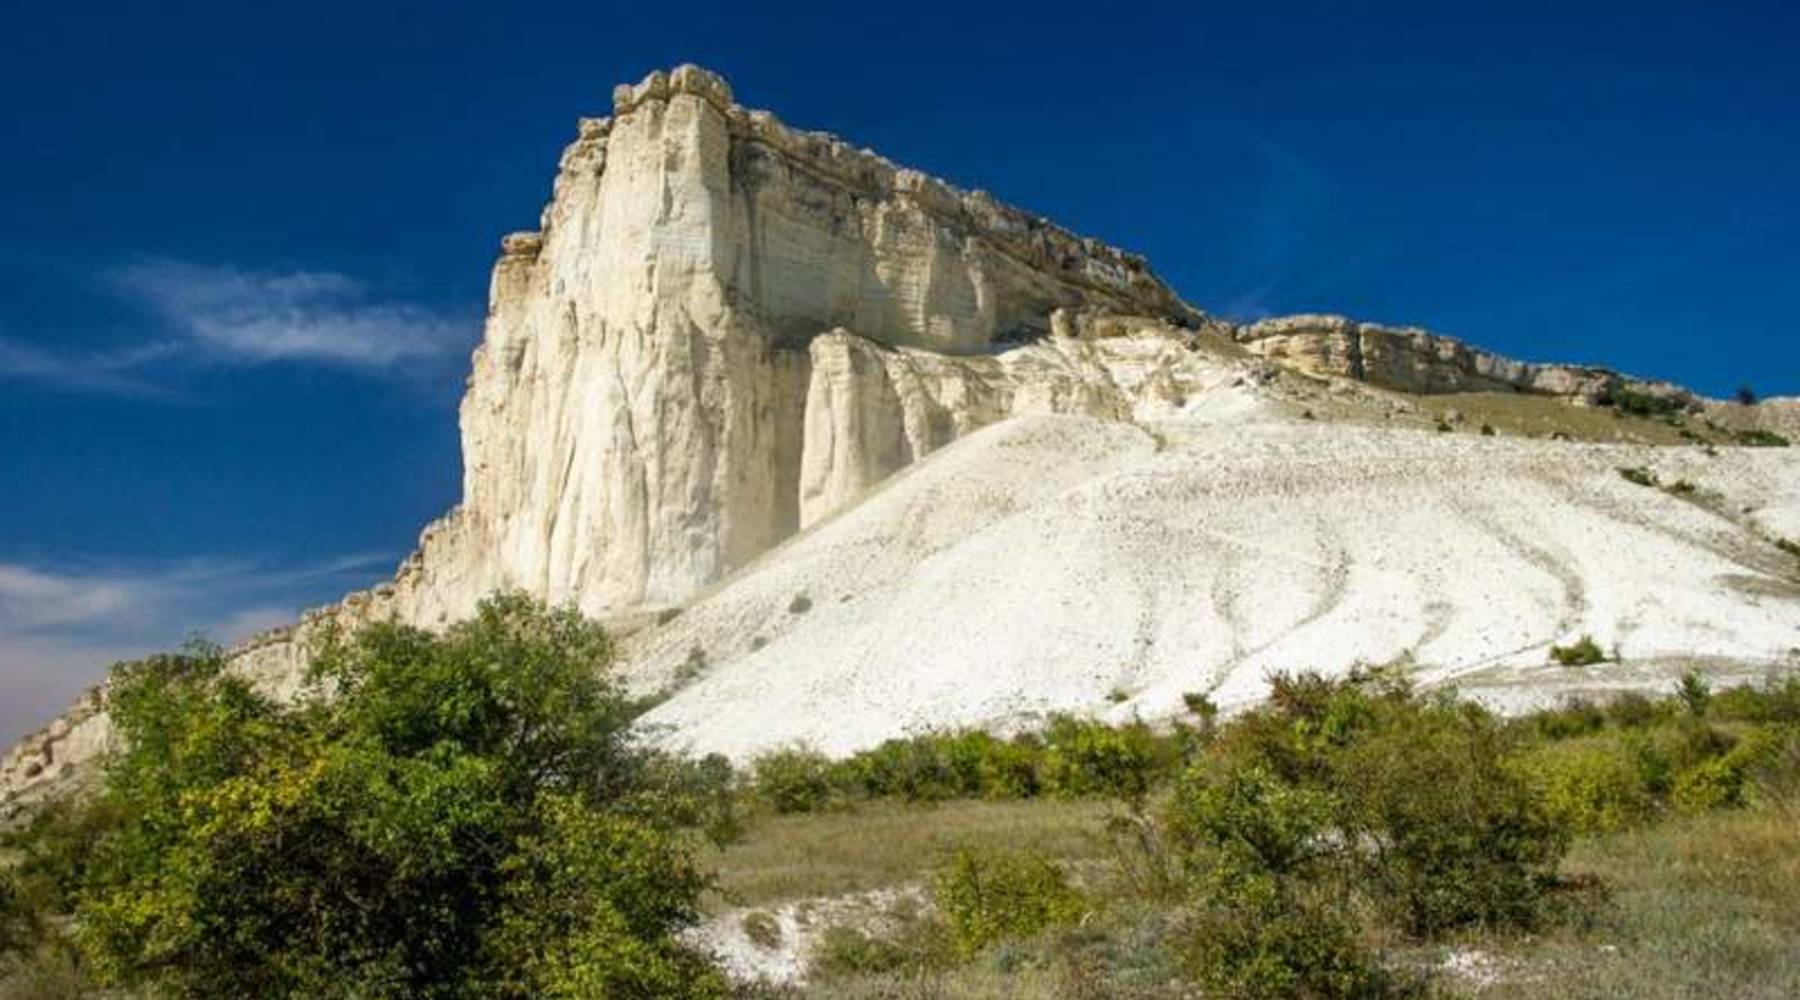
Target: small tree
x=1746, y=395
x=466, y=816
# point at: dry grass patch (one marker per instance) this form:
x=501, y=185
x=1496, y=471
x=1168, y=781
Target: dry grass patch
x=883, y=844
x=1701, y=907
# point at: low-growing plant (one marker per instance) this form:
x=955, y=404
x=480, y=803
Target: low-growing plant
x=986, y=897
x=1260, y=938
x=1694, y=692
x=1637, y=475
x=1582, y=652
x=796, y=779
x=1641, y=404
x=763, y=930
x=1090, y=758
x=1760, y=439
x=1590, y=785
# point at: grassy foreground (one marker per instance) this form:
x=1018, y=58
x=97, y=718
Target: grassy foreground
x=1704, y=906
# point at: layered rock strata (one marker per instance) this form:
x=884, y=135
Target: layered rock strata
x=1409, y=359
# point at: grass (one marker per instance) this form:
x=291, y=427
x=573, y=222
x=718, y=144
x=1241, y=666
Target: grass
x=884, y=844
x=1700, y=907
x=1705, y=906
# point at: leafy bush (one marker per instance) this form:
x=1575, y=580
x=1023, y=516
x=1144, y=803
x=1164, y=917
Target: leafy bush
x=1257, y=937
x=796, y=779
x=1590, y=785
x=467, y=816
x=1694, y=692
x=17, y=926
x=1722, y=782
x=1640, y=404
x=1365, y=789
x=1581, y=653
x=1776, y=701
x=1091, y=758
x=988, y=897
x=1761, y=439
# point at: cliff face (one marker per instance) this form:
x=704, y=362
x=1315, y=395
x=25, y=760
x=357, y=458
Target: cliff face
x=725, y=331
x=643, y=413
x=636, y=422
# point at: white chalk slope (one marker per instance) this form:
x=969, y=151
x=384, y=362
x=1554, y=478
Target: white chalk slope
x=1067, y=564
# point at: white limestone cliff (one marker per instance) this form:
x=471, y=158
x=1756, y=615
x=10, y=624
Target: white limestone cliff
x=726, y=332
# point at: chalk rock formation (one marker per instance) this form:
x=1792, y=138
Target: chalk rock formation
x=635, y=423
x=725, y=332
x=1409, y=359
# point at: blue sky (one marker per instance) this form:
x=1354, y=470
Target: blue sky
x=245, y=252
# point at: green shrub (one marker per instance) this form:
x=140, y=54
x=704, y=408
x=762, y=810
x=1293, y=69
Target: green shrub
x=988, y=897
x=763, y=930
x=1574, y=717
x=1723, y=782
x=1090, y=758
x=1633, y=710
x=1638, y=475
x=1257, y=937
x=1694, y=692
x=1789, y=546
x=1590, y=785
x=1009, y=770
x=469, y=815
x=1761, y=439
x=1775, y=700
x=1640, y=404
x=17, y=925
x=796, y=779
x=1363, y=790
x=1582, y=652
x=844, y=951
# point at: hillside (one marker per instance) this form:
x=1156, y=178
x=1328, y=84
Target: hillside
x=848, y=451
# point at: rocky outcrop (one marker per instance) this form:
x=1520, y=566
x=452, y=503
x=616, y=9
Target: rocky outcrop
x=725, y=330
x=635, y=419
x=1408, y=359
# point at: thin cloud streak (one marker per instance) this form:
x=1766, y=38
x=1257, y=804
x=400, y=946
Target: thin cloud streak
x=106, y=372
x=228, y=316
x=244, y=317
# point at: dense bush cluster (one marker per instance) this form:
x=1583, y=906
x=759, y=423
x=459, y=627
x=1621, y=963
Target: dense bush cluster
x=1070, y=758
x=1293, y=843
x=1601, y=769
x=467, y=816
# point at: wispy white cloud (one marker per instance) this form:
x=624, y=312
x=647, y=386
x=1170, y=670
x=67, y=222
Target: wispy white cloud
x=60, y=628
x=249, y=317
x=113, y=372
x=213, y=315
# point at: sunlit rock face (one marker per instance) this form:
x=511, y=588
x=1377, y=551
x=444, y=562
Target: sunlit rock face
x=636, y=422
x=635, y=425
